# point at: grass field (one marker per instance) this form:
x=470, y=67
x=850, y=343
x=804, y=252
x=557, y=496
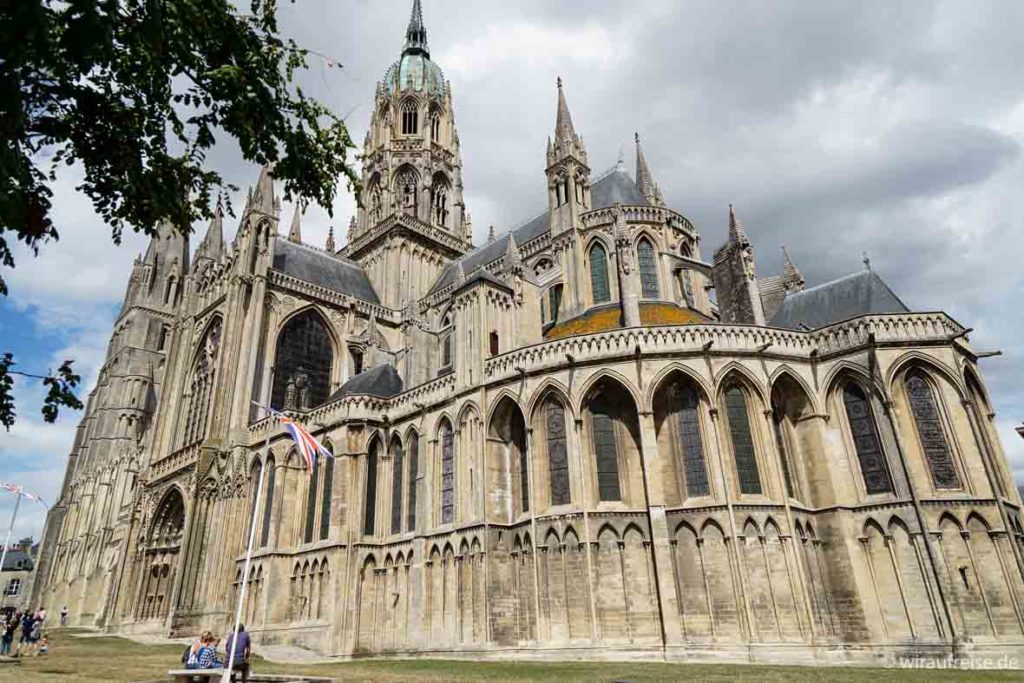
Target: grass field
x=117, y=659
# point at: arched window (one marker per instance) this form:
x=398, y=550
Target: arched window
x=370, y=503
x=435, y=127
x=398, y=471
x=554, y=301
x=410, y=118
x=414, y=456
x=931, y=432
x=447, y=474
x=302, y=364
x=200, y=386
x=648, y=269
x=599, y=273
x=446, y=341
x=268, y=502
x=439, y=203
x=405, y=188
x=687, y=409
x=606, y=448
x=865, y=440
x=325, y=496
x=558, y=460
x=311, y=499
x=742, y=440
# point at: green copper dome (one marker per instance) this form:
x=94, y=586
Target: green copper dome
x=415, y=73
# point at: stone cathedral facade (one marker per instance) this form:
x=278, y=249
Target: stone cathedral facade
x=587, y=437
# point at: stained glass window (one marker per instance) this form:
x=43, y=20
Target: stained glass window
x=302, y=365
x=199, y=396
x=606, y=450
x=447, y=475
x=370, y=504
x=325, y=500
x=414, y=452
x=742, y=441
x=554, y=301
x=692, y=446
x=599, y=273
x=648, y=269
x=410, y=118
x=398, y=465
x=558, y=461
x=929, y=428
x=865, y=440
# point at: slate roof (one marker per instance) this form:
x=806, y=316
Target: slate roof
x=16, y=560
x=323, y=269
x=861, y=293
x=613, y=186
x=381, y=381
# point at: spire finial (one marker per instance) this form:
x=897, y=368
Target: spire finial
x=564, y=130
x=866, y=261
x=416, y=34
x=559, y=81
x=644, y=178
x=736, y=232
x=793, y=277
x=295, y=234
x=329, y=246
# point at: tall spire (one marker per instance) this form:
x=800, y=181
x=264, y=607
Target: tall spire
x=263, y=198
x=295, y=234
x=644, y=179
x=416, y=34
x=564, y=130
x=329, y=245
x=736, y=232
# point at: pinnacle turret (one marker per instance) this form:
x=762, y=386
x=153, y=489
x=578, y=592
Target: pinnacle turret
x=794, y=279
x=644, y=178
x=329, y=245
x=736, y=232
x=416, y=34
x=564, y=130
x=295, y=233
x=212, y=246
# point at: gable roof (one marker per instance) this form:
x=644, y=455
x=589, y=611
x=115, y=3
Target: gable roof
x=613, y=186
x=16, y=560
x=862, y=293
x=321, y=268
x=382, y=381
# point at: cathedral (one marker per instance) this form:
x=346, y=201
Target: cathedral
x=587, y=437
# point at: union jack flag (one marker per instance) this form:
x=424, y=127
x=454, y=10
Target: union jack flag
x=18, y=490
x=307, y=444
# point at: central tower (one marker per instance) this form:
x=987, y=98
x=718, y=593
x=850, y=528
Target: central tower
x=413, y=221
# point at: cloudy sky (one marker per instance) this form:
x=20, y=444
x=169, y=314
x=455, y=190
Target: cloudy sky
x=836, y=129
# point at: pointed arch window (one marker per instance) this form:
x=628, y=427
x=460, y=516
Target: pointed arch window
x=268, y=502
x=782, y=446
x=447, y=475
x=201, y=381
x=606, y=449
x=934, y=443
x=439, y=203
x=302, y=363
x=599, y=273
x=370, y=503
x=866, y=442
x=410, y=118
x=414, y=452
x=435, y=127
x=397, y=489
x=648, y=266
x=446, y=341
x=325, y=496
x=742, y=440
x=558, y=460
x=687, y=410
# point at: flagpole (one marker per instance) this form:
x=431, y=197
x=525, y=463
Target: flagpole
x=248, y=556
x=7, y=542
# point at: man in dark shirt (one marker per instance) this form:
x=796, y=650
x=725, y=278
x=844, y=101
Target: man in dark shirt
x=242, y=647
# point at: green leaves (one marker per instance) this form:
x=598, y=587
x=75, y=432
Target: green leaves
x=60, y=390
x=135, y=92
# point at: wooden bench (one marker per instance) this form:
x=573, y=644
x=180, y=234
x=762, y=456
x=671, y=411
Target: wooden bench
x=195, y=675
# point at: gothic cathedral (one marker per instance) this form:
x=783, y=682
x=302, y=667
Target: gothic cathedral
x=582, y=438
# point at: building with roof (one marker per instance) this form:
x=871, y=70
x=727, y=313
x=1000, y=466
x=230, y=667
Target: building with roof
x=582, y=438
x=17, y=573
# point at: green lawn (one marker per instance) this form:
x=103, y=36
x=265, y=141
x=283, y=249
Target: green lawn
x=117, y=659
